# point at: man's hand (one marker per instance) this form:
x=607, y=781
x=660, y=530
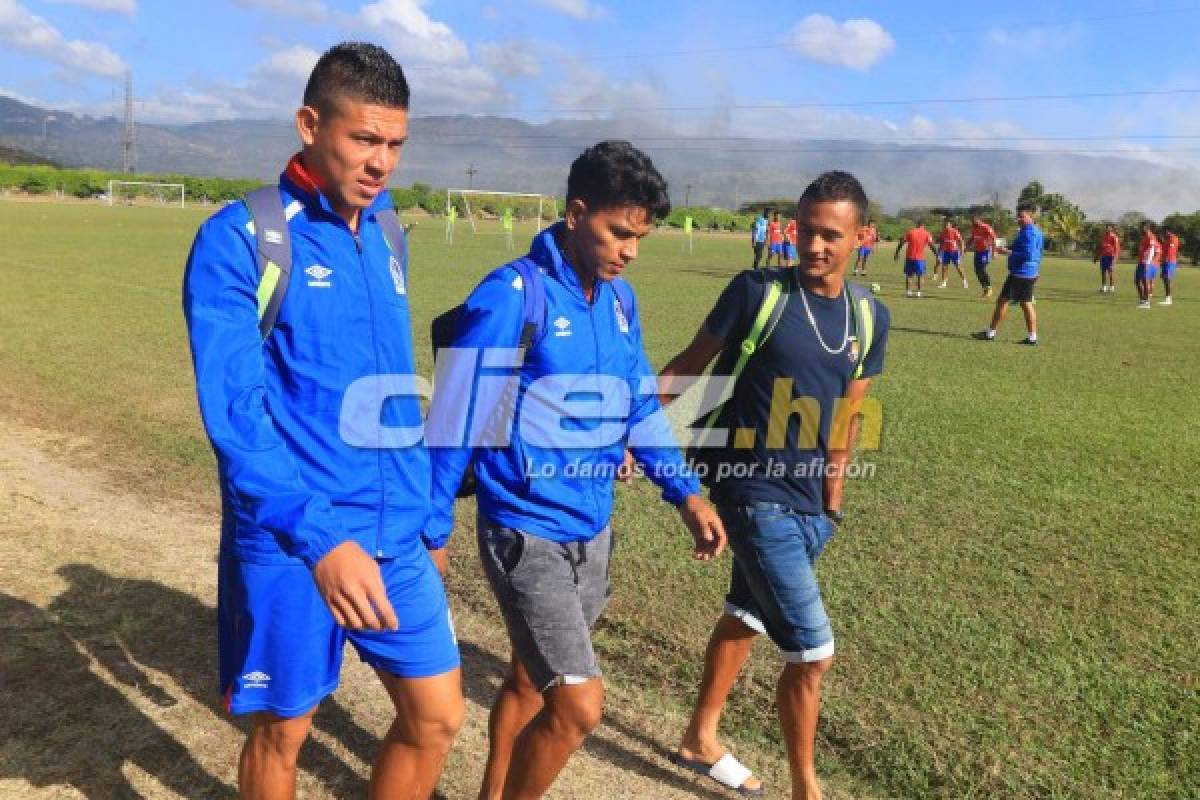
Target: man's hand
x=441, y=560
x=351, y=585
x=708, y=532
x=626, y=471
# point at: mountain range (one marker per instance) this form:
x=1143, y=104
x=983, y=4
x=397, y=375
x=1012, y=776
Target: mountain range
x=509, y=154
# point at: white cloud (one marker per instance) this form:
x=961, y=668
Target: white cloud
x=127, y=7
x=579, y=9
x=1036, y=39
x=411, y=34
x=311, y=10
x=856, y=43
x=30, y=33
x=513, y=59
x=585, y=88
x=290, y=63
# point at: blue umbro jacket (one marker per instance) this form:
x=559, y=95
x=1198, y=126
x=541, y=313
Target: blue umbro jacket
x=293, y=486
x=542, y=482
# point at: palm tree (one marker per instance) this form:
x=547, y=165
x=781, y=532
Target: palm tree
x=1066, y=225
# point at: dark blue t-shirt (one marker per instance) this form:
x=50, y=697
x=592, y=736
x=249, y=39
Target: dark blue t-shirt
x=788, y=472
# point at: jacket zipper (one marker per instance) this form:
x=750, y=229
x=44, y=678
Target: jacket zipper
x=362, y=263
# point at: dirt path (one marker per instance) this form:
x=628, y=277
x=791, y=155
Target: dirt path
x=107, y=665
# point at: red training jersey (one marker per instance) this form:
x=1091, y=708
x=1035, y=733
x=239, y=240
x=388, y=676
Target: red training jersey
x=951, y=240
x=917, y=240
x=790, y=231
x=869, y=237
x=773, y=234
x=982, y=237
x=1149, y=250
x=1171, y=249
x=1110, y=244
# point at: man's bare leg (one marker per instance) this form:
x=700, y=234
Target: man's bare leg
x=1030, y=318
x=798, y=696
x=570, y=713
x=728, y=648
x=267, y=767
x=429, y=712
x=516, y=705
x=999, y=314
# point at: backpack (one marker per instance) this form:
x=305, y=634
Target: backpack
x=770, y=311
x=274, y=247
x=444, y=328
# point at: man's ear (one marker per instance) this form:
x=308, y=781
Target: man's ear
x=574, y=213
x=307, y=120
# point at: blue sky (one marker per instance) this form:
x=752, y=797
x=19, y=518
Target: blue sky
x=700, y=67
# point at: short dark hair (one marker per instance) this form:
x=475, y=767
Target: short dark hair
x=1168, y=229
x=614, y=174
x=836, y=186
x=1030, y=207
x=356, y=71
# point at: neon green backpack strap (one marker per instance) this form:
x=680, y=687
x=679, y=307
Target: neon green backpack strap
x=769, y=312
x=862, y=302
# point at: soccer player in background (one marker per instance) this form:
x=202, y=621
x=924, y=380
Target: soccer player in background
x=914, y=242
x=952, y=246
x=789, y=243
x=774, y=240
x=866, y=245
x=1024, y=264
x=983, y=242
x=1170, y=262
x=1149, y=253
x=1107, y=254
x=758, y=236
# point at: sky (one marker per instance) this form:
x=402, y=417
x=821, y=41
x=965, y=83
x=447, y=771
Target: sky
x=910, y=72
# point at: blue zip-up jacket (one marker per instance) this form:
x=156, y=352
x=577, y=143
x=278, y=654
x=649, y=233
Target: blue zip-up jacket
x=560, y=493
x=292, y=489
x=1025, y=257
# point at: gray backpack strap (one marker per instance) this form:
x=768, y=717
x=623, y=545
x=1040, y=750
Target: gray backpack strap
x=862, y=304
x=397, y=241
x=274, y=253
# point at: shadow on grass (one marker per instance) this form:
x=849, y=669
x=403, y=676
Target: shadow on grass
x=126, y=624
x=64, y=726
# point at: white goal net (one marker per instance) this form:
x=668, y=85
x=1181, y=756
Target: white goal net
x=145, y=193
x=493, y=212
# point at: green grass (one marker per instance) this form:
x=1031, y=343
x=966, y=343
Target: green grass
x=1015, y=592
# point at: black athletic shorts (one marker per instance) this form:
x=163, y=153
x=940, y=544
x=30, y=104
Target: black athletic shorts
x=1017, y=290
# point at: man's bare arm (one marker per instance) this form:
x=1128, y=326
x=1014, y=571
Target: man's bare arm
x=850, y=421
x=691, y=362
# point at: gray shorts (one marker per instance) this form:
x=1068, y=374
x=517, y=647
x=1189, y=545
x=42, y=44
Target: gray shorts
x=551, y=595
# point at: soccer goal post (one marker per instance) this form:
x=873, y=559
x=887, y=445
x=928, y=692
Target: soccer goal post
x=131, y=191
x=501, y=205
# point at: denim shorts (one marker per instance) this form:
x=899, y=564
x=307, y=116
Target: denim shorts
x=550, y=595
x=774, y=589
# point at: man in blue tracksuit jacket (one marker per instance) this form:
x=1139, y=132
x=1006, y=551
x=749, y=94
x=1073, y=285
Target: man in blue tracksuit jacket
x=1024, y=264
x=586, y=393
x=321, y=527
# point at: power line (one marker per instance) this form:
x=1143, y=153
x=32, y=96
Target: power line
x=924, y=30
x=1022, y=98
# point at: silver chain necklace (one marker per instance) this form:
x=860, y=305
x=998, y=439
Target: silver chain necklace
x=817, y=331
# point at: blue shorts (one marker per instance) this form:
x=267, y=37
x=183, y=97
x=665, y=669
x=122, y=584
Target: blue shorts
x=864, y=252
x=1145, y=272
x=1168, y=269
x=914, y=266
x=774, y=589
x=281, y=651
x=1106, y=263
x=789, y=251
x=982, y=258
x=949, y=257
x=776, y=249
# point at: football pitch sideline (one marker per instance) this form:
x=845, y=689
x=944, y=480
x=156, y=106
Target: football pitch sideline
x=1014, y=592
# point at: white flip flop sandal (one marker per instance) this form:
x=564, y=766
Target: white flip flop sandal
x=726, y=770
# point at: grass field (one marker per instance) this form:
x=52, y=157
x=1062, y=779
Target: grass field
x=1015, y=591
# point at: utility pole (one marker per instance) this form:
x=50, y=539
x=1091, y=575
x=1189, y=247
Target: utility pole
x=471, y=175
x=45, y=119
x=687, y=196
x=128, y=142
